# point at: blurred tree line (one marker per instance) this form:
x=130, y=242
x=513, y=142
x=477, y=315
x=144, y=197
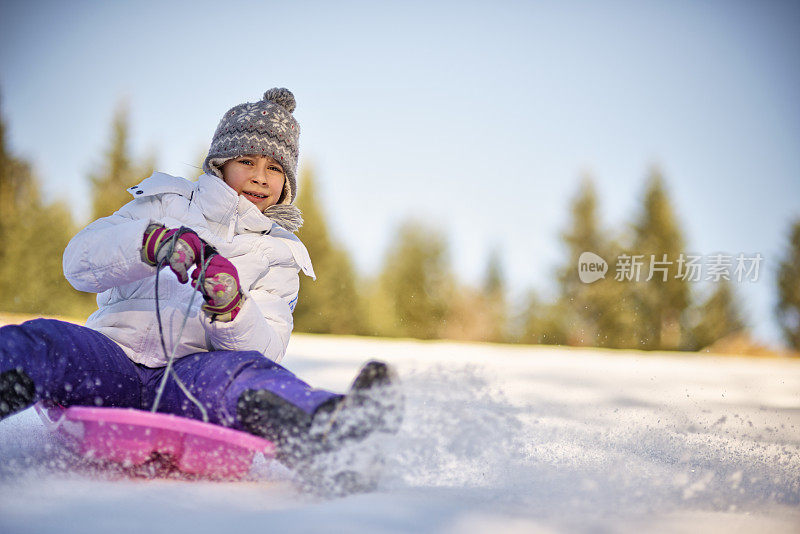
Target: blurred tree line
x=640, y=312
x=34, y=230
x=416, y=293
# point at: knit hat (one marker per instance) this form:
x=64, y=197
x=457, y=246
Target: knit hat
x=267, y=128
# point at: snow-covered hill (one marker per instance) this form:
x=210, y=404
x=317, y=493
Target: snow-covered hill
x=496, y=439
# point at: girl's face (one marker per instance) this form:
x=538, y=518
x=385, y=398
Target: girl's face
x=259, y=179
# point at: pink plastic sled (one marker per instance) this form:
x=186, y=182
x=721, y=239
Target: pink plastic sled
x=135, y=438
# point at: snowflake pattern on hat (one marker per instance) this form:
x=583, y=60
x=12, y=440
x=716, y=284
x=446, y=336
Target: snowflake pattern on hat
x=250, y=112
x=279, y=122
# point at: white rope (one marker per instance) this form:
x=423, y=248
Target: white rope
x=170, y=371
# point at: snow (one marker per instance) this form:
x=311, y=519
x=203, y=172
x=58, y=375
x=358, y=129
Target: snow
x=496, y=438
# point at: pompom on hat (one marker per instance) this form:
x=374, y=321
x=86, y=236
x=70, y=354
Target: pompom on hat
x=267, y=128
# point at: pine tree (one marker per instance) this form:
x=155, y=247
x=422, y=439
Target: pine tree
x=788, y=308
x=416, y=282
x=380, y=314
x=660, y=303
x=596, y=313
x=542, y=323
x=494, y=299
x=719, y=316
x=331, y=304
x=577, y=300
x=34, y=235
x=118, y=171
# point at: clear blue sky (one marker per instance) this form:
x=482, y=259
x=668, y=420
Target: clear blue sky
x=479, y=118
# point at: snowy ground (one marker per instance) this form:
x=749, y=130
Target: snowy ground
x=496, y=439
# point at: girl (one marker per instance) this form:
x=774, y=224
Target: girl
x=155, y=343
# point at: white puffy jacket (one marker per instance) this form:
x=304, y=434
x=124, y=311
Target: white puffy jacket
x=105, y=258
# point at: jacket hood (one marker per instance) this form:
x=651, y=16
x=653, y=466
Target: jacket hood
x=219, y=202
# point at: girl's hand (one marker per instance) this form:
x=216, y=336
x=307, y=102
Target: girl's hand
x=220, y=288
x=181, y=248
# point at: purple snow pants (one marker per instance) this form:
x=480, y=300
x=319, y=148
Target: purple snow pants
x=72, y=364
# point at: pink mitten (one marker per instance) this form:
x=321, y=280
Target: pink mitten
x=183, y=250
x=220, y=288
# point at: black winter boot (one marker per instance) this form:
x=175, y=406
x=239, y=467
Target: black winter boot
x=372, y=404
x=16, y=392
x=265, y=414
x=345, y=461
